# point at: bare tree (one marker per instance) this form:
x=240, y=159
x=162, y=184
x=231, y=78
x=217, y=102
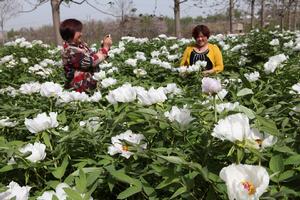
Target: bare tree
x=8, y=9
x=262, y=14
x=295, y=15
x=177, y=16
x=252, y=2
x=124, y=7
x=55, y=5
x=231, y=9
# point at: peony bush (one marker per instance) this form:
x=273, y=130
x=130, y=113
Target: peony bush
x=152, y=129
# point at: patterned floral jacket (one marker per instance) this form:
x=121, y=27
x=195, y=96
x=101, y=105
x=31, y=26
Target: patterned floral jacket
x=80, y=63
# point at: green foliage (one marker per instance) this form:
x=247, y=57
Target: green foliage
x=179, y=162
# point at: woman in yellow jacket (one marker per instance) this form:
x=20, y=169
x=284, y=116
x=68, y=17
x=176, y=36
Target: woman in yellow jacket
x=203, y=51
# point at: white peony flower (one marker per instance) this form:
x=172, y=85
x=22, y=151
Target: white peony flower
x=254, y=76
x=245, y=182
x=155, y=54
x=97, y=96
x=24, y=60
x=222, y=94
x=289, y=44
x=226, y=106
x=175, y=46
x=41, y=122
x=274, y=62
x=29, y=88
x=180, y=115
x=66, y=97
x=172, y=88
x=121, y=143
x=296, y=88
x=139, y=72
x=99, y=75
x=125, y=93
x=140, y=56
x=261, y=141
x=59, y=193
x=274, y=42
x=15, y=191
x=151, y=96
x=211, y=86
x=108, y=82
x=47, y=195
x=50, y=89
x=233, y=127
x=296, y=108
x=7, y=122
x=37, y=151
x=172, y=57
x=132, y=62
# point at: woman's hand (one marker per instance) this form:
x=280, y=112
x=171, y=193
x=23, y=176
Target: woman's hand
x=107, y=42
x=208, y=72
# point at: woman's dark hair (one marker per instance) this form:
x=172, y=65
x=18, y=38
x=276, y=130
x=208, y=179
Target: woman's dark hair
x=69, y=27
x=201, y=29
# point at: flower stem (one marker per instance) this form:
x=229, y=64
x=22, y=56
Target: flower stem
x=215, y=108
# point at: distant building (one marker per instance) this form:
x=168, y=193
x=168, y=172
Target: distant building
x=238, y=28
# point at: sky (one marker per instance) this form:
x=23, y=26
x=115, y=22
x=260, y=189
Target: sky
x=42, y=15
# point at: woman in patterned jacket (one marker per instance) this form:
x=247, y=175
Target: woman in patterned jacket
x=79, y=61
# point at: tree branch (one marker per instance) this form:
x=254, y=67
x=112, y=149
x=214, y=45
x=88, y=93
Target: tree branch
x=79, y=3
x=34, y=7
x=106, y=13
x=182, y=1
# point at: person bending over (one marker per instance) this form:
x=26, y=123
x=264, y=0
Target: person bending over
x=79, y=61
x=202, y=50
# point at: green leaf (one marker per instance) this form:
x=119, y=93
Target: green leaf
x=120, y=175
x=250, y=113
x=129, y=192
x=60, y=171
x=179, y=192
x=276, y=163
x=167, y=182
x=286, y=175
x=147, y=187
x=173, y=159
x=74, y=195
x=292, y=160
x=267, y=125
x=244, y=91
x=81, y=182
x=147, y=111
x=7, y=168
x=46, y=139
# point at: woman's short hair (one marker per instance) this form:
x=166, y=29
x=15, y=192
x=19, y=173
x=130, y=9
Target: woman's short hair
x=69, y=27
x=201, y=29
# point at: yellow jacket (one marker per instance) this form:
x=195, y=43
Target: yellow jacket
x=214, y=55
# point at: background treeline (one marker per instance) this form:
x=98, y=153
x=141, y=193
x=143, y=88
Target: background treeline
x=137, y=26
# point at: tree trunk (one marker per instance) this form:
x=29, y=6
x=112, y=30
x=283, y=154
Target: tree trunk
x=295, y=16
x=289, y=15
x=2, y=32
x=56, y=20
x=281, y=15
x=231, y=16
x=262, y=14
x=252, y=13
x=177, y=18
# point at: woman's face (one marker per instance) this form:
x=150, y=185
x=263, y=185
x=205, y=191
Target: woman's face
x=201, y=40
x=77, y=37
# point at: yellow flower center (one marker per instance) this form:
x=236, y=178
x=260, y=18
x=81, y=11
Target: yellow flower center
x=259, y=142
x=125, y=148
x=249, y=187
